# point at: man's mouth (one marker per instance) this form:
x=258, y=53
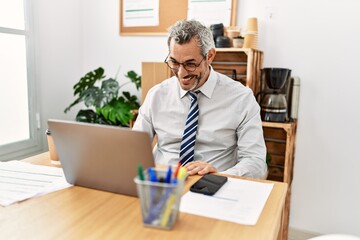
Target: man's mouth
x=188, y=78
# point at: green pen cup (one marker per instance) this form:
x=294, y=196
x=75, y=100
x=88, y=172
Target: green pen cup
x=159, y=201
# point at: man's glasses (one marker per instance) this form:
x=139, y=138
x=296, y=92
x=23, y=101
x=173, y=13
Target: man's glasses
x=189, y=66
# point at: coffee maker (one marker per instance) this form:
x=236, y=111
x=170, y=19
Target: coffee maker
x=274, y=97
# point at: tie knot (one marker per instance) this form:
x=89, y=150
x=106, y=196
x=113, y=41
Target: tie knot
x=193, y=95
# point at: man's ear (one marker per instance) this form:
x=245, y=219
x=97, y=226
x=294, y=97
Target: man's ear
x=211, y=55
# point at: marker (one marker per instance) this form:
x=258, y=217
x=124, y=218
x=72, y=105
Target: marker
x=176, y=172
x=152, y=175
x=168, y=175
x=182, y=173
x=179, y=174
x=154, y=210
x=167, y=212
x=140, y=172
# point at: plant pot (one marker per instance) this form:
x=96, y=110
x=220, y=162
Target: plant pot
x=238, y=42
x=52, y=149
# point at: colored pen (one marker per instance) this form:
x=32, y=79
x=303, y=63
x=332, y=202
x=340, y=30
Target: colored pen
x=140, y=172
x=168, y=175
x=176, y=172
x=167, y=212
x=153, y=212
x=179, y=174
x=152, y=175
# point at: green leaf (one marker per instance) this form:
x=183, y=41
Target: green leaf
x=85, y=83
x=90, y=96
x=99, y=97
x=132, y=99
x=72, y=104
x=134, y=78
x=86, y=116
x=268, y=158
x=88, y=80
x=110, y=88
x=118, y=112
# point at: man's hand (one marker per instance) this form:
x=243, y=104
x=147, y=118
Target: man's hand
x=199, y=167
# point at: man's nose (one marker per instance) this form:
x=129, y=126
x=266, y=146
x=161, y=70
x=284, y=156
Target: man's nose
x=182, y=70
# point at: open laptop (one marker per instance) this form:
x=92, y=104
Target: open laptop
x=100, y=156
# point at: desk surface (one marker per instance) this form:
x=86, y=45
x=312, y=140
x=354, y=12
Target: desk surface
x=82, y=213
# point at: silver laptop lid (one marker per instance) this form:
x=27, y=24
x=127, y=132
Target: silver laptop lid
x=100, y=156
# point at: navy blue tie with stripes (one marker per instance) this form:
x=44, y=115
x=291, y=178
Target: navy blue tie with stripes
x=188, y=141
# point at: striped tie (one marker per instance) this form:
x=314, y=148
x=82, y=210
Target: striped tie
x=188, y=141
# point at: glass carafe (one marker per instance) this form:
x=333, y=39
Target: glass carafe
x=274, y=108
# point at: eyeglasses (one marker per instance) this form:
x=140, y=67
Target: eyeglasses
x=189, y=66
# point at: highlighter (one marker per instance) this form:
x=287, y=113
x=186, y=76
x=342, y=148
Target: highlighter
x=140, y=172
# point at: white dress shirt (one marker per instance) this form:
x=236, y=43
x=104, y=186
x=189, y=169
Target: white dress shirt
x=229, y=135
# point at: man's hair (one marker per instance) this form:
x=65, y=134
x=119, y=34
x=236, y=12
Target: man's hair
x=184, y=30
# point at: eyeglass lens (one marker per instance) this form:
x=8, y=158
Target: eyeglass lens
x=189, y=66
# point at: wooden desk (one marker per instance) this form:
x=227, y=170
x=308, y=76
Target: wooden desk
x=82, y=213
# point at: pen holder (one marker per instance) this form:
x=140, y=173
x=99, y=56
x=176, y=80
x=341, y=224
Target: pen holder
x=159, y=201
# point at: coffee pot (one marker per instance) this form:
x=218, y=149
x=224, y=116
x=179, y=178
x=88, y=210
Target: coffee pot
x=274, y=95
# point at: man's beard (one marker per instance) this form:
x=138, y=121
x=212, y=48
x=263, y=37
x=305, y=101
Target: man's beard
x=197, y=80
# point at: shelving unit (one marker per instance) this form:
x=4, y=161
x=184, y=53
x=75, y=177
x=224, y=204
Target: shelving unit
x=241, y=64
x=280, y=144
x=244, y=65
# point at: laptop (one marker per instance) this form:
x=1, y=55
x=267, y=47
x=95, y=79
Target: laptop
x=100, y=156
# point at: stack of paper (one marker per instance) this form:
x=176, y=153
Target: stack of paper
x=238, y=201
x=21, y=180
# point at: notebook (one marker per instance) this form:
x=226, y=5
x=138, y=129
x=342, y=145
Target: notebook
x=100, y=156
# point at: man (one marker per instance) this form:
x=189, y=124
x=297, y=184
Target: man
x=226, y=126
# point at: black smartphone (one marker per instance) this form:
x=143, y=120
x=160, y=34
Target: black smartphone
x=208, y=184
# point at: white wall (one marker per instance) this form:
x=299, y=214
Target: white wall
x=58, y=41
x=318, y=40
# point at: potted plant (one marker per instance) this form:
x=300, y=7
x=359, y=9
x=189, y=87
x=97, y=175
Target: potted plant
x=238, y=42
x=106, y=104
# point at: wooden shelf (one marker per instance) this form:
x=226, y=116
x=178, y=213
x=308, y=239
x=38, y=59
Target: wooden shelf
x=241, y=64
x=286, y=125
x=235, y=49
x=280, y=144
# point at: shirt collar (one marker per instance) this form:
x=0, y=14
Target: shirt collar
x=207, y=89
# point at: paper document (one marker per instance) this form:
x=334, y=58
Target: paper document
x=210, y=11
x=137, y=13
x=239, y=201
x=22, y=180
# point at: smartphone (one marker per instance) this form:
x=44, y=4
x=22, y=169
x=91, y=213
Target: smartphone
x=208, y=184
